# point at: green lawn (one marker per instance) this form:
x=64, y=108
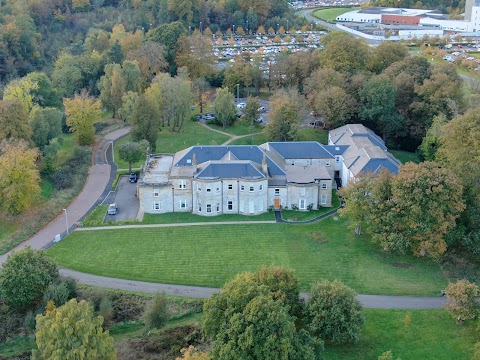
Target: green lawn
x=240, y=128
x=95, y=218
x=291, y=215
x=432, y=334
x=250, y=140
x=405, y=156
x=210, y=255
x=177, y=218
x=171, y=142
x=310, y=134
x=331, y=14
x=7, y=230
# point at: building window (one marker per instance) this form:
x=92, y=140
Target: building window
x=309, y=161
x=182, y=184
x=319, y=162
x=327, y=162
x=292, y=162
x=208, y=189
x=260, y=188
x=218, y=207
x=156, y=205
x=156, y=193
x=301, y=204
x=302, y=191
x=324, y=199
x=324, y=186
x=252, y=189
x=337, y=159
x=229, y=205
x=199, y=188
x=199, y=206
x=183, y=203
x=230, y=187
x=209, y=208
x=242, y=187
x=277, y=192
x=218, y=188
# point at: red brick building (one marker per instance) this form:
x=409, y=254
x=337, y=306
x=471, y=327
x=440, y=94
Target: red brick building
x=400, y=20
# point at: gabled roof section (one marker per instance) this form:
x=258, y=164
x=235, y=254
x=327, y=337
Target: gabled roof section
x=221, y=153
x=301, y=150
x=229, y=170
x=342, y=135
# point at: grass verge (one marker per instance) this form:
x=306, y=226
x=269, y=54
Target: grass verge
x=405, y=156
x=432, y=334
x=330, y=14
x=177, y=218
x=210, y=255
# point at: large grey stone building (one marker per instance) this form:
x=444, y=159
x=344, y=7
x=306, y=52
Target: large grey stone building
x=214, y=180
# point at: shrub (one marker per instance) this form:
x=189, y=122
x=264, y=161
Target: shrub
x=127, y=307
x=156, y=313
x=62, y=178
x=10, y=324
x=461, y=298
x=333, y=313
x=294, y=207
x=56, y=292
x=310, y=207
x=105, y=310
x=99, y=126
x=29, y=322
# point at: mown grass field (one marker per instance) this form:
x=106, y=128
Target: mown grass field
x=210, y=255
x=405, y=156
x=171, y=142
x=431, y=335
x=331, y=13
x=178, y=218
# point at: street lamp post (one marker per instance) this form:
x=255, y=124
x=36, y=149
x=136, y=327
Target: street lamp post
x=247, y=26
x=238, y=93
x=66, y=219
x=201, y=27
x=189, y=28
x=287, y=26
x=278, y=25
x=233, y=33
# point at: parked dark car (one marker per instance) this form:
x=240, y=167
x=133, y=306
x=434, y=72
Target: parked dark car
x=133, y=178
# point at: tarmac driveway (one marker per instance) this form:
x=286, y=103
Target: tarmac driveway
x=126, y=200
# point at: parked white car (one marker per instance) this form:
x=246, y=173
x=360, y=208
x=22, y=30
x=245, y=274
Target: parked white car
x=241, y=105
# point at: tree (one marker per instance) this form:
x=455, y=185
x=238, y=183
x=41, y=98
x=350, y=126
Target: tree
x=156, y=313
x=132, y=152
x=431, y=141
x=151, y=60
x=334, y=104
x=378, y=106
x=45, y=93
x=462, y=300
x=112, y=88
x=224, y=106
x=21, y=89
x=13, y=120
x=82, y=111
x=25, y=276
x=67, y=74
x=333, y=313
x=385, y=54
x=201, y=92
x=251, y=112
x=344, y=53
x=46, y=124
x=128, y=106
x=19, y=178
x=72, y=332
x=191, y=353
x=196, y=53
x=168, y=35
x=145, y=122
x=286, y=108
x=250, y=319
x=132, y=76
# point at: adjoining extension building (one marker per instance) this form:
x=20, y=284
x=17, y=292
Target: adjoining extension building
x=243, y=179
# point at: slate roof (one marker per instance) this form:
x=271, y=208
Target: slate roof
x=230, y=170
x=216, y=153
x=336, y=149
x=301, y=150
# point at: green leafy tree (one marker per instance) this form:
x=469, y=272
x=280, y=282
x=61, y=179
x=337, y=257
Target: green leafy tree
x=132, y=76
x=14, y=121
x=168, y=35
x=82, y=112
x=128, y=106
x=286, y=109
x=201, y=92
x=250, y=319
x=132, y=152
x=196, y=53
x=378, y=106
x=67, y=75
x=45, y=93
x=224, y=106
x=112, y=88
x=19, y=176
x=385, y=54
x=333, y=313
x=21, y=89
x=145, y=122
x=251, y=112
x=462, y=300
x=335, y=106
x=156, y=313
x=25, y=276
x=72, y=332
x=46, y=124
x=431, y=141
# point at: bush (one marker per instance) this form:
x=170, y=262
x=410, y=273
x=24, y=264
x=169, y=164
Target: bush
x=66, y=175
x=29, y=322
x=10, y=324
x=56, y=292
x=156, y=313
x=294, y=207
x=333, y=313
x=127, y=307
x=105, y=310
x=310, y=207
x=462, y=302
x=99, y=126
x=62, y=178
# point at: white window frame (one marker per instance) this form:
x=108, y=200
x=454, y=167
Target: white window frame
x=156, y=193
x=260, y=188
x=324, y=200
x=303, y=191
x=292, y=161
x=218, y=207
x=319, y=162
x=183, y=203
x=209, y=189
x=277, y=192
x=182, y=184
x=209, y=208
x=242, y=187
x=199, y=188
x=229, y=204
x=324, y=186
x=218, y=188
x=157, y=205
x=230, y=186
x=301, y=204
x=251, y=189
x=337, y=159
x=327, y=162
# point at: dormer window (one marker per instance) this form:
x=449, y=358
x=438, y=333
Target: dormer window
x=189, y=161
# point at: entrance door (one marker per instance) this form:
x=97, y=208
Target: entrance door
x=251, y=207
x=276, y=203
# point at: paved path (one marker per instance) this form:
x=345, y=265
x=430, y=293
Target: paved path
x=140, y=226
x=232, y=137
x=368, y=301
x=98, y=178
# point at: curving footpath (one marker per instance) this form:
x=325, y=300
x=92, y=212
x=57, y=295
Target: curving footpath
x=96, y=187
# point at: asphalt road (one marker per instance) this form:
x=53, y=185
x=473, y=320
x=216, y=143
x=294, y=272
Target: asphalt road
x=126, y=200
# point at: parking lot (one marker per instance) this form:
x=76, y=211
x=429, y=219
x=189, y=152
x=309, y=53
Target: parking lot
x=126, y=200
